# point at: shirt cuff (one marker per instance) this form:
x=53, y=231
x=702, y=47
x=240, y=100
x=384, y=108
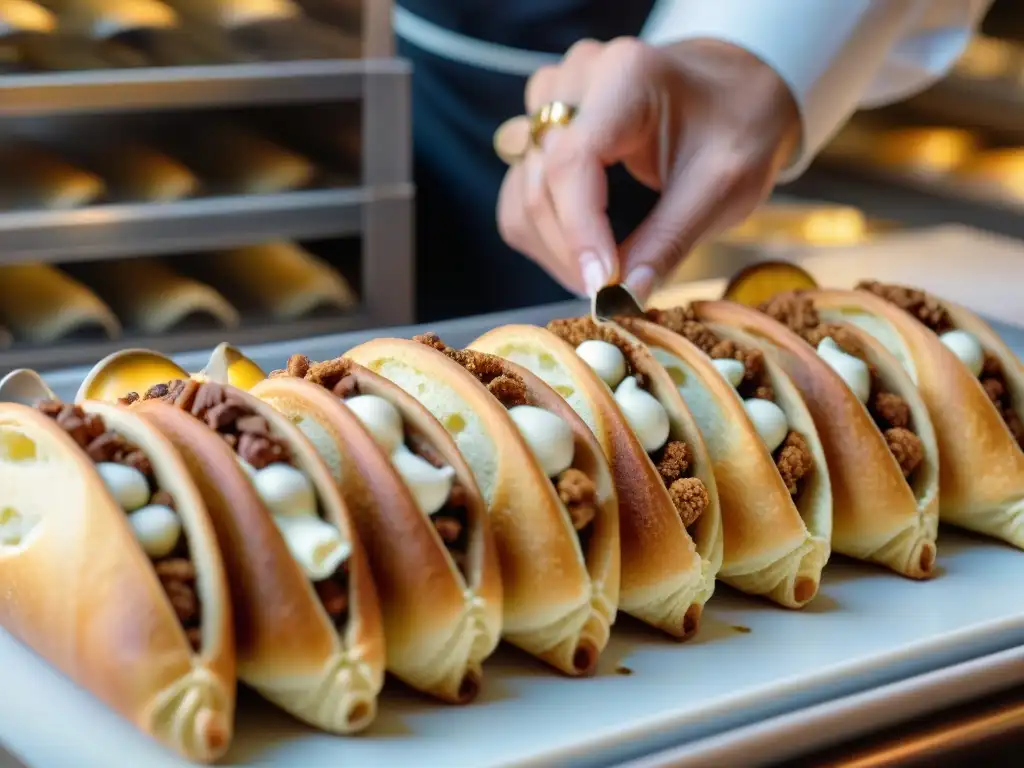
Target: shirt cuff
x=827, y=53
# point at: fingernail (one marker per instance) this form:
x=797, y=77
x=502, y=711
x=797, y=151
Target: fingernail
x=640, y=281
x=594, y=273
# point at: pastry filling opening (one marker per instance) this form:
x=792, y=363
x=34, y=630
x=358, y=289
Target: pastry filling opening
x=429, y=478
x=548, y=436
x=966, y=346
x=287, y=492
x=621, y=365
x=131, y=481
x=744, y=368
x=839, y=346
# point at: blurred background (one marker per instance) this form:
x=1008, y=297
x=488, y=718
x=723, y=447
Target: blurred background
x=175, y=173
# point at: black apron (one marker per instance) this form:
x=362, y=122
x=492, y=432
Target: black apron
x=463, y=266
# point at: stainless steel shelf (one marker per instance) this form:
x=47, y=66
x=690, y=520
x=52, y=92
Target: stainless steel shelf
x=168, y=88
x=73, y=353
x=109, y=231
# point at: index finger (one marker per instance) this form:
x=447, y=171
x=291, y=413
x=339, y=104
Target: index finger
x=609, y=125
x=578, y=188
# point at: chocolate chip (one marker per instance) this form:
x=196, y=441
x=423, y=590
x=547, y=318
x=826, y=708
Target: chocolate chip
x=106, y=447
x=163, y=498
x=334, y=597
x=138, y=460
x=253, y=424
x=260, y=450
x=448, y=528
x=175, y=568
x=219, y=416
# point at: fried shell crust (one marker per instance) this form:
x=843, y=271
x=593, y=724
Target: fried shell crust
x=80, y=591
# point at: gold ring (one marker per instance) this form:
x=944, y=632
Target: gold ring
x=552, y=113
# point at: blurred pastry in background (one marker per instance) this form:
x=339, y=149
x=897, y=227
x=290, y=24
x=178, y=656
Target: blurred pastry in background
x=926, y=151
x=132, y=32
x=233, y=160
x=41, y=304
x=346, y=15
x=20, y=20
x=990, y=58
x=151, y=297
x=139, y=173
x=101, y=19
x=20, y=16
x=1000, y=170
x=33, y=177
x=273, y=30
x=280, y=279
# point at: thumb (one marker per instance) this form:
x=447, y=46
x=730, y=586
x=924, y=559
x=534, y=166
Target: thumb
x=695, y=204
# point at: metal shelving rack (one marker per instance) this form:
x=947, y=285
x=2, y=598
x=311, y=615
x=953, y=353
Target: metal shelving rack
x=379, y=211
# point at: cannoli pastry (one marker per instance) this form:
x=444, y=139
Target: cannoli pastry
x=21, y=16
x=550, y=499
x=308, y=623
x=973, y=387
x=669, y=514
x=878, y=440
x=769, y=466
x=417, y=511
x=92, y=495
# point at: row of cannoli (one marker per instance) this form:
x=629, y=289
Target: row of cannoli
x=45, y=304
x=407, y=505
x=99, y=34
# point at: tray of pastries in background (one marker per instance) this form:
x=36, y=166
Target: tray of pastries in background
x=558, y=541
x=72, y=35
x=43, y=306
x=70, y=169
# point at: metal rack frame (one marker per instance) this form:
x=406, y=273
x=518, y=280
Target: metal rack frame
x=380, y=211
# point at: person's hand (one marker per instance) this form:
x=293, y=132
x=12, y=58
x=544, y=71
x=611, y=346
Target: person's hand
x=728, y=122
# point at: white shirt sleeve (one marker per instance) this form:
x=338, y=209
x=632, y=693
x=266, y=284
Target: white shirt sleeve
x=835, y=55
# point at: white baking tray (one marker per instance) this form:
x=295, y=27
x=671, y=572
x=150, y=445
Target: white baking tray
x=750, y=662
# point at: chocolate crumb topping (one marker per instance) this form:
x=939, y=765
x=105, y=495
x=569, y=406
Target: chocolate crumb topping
x=688, y=494
x=793, y=459
x=249, y=435
x=489, y=370
x=576, y=330
x=579, y=495
x=334, y=375
x=916, y=303
x=576, y=491
x=672, y=460
x=230, y=416
x=683, y=322
x=176, y=572
x=690, y=498
x=452, y=521
x=929, y=311
x=889, y=410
